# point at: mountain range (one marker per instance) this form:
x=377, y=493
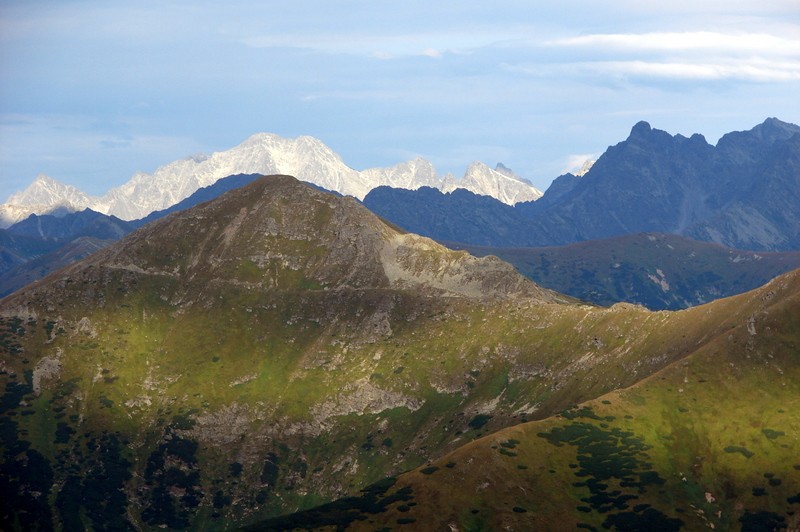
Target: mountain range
x=306, y=158
x=658, y=270
x=281, y=349
x=743, y=193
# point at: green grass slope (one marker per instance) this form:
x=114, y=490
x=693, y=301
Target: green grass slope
x=279, y=348
x=709, y=442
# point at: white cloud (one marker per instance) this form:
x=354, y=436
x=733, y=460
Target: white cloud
x=576, y=161
x=702, y=41
x=755, y=70
x=687, y=56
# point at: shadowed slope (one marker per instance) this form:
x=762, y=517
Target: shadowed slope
x=659, y=271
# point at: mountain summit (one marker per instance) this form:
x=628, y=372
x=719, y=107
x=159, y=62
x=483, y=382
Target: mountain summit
x=742, y=193
x=286, y=235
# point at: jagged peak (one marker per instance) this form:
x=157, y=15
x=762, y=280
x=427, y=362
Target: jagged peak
x=642, y=132
x=45, y=181
x=44, y=178
x=764, y=134
x=503, y=169
x=261, y=137
x=273, y=138
x=47, y=191
x=478, y=166
x=773, y=128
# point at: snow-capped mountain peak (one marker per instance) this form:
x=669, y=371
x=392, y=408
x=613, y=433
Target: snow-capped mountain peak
x=506, y=171
x=47, y=191
x=305, y=158
x=44, y=196
x=413, y=174
x=504, y=186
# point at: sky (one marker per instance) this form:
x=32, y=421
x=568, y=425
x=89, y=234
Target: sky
x=93, y=91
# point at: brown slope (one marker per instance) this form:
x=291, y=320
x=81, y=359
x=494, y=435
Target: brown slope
x=280, y=233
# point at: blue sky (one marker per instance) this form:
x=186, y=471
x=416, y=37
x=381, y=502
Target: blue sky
x=93, y=91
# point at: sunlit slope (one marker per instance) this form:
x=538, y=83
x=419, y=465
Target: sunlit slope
x=279, y=348
x=710, y=442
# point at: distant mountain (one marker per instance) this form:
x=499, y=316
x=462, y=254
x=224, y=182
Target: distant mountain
x=658, y=271
x=743, y=193
x=68, y=227
x=201, y=195
x=39, y=265
x=460, y=216
x=306, y=158
x=16, y=249
x=501, y=183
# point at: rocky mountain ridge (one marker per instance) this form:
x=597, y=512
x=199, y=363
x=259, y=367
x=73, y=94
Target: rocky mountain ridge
x=305, y=157
x=742, y=193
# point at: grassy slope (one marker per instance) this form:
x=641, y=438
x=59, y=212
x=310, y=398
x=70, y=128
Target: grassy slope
x=248, y=380
x=211, y=399
x=245, y=377
x=710, y=440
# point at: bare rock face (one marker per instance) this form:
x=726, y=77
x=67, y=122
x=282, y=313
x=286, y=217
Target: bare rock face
x=412, y=261
x=47, y=368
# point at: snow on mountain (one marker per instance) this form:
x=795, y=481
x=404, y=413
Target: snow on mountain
x=306, y=158
x=44, y=189
x=587, y=165
x=503, y=185
x=44, y=196
x=410, y=175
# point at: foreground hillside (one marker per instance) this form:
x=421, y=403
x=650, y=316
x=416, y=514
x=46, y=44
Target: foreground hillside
x=709, y=442
x=278, y=348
